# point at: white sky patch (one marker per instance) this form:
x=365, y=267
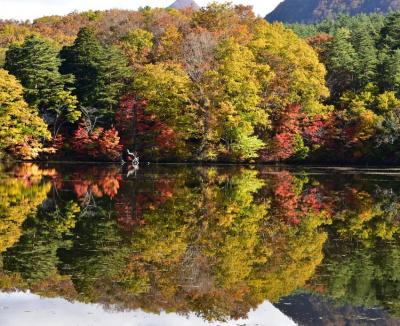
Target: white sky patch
x=21, y=309
x=31, y=9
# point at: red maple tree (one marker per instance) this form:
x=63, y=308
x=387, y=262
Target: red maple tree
x=100, y=143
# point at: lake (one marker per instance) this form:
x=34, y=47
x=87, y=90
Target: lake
x=97, y=244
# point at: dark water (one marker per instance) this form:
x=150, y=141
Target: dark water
x=190, y=245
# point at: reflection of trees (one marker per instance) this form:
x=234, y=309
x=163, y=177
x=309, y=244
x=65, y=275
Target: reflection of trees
x=297, y=213
x=355, y=274
x=369, y=215
x=362, y=267
x=21, y=191
x=96, y=182
x=207, y=242
x=197, y=250
x=216, y=241
x=35, y=255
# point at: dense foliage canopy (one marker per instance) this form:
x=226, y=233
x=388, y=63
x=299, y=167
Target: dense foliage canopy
x=361, y=54
x=216, y=84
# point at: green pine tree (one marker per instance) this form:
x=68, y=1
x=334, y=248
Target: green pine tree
x=341, y=63
x=36, y=65
x=367, y=57
x=389, y=46
x=82, y=60
x=101, y=74
x=113, y=78
x=390, y=71
x=390, y=33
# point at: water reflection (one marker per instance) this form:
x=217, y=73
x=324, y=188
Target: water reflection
x=23, y=309
x=216, y=242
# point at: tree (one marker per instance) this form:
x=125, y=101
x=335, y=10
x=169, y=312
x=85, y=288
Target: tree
x=113, y=77
x=288, y=141
x=142, y=131
x=100, y=74
x=390, y=71
x=2, y=57
x=198, y=53
x=341, y=63
x=97, y=143
x=36, y=64
x=320, y=43
x=137, y=45
x=298, y=76
x=166, y=89
x=81, y=59
x=170, y=45
x=367, y=55
x=215, y=17
x=389, y=35
x=22, y=131
x=237, y=84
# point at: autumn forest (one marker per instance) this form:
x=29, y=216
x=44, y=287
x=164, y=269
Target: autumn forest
x=211, y=85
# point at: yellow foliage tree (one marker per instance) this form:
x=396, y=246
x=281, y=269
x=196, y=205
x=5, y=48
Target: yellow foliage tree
x=299, y=77
x=21, y=129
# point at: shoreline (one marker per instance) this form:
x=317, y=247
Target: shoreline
x=333, y=165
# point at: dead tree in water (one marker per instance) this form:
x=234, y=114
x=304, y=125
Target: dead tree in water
x=130, y=157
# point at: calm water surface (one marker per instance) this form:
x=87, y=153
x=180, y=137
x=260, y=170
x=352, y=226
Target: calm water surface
x=190, y=245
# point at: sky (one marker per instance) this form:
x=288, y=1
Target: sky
x=21, y=309
x=31, y=9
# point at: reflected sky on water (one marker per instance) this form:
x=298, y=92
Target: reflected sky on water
x=19, y=309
